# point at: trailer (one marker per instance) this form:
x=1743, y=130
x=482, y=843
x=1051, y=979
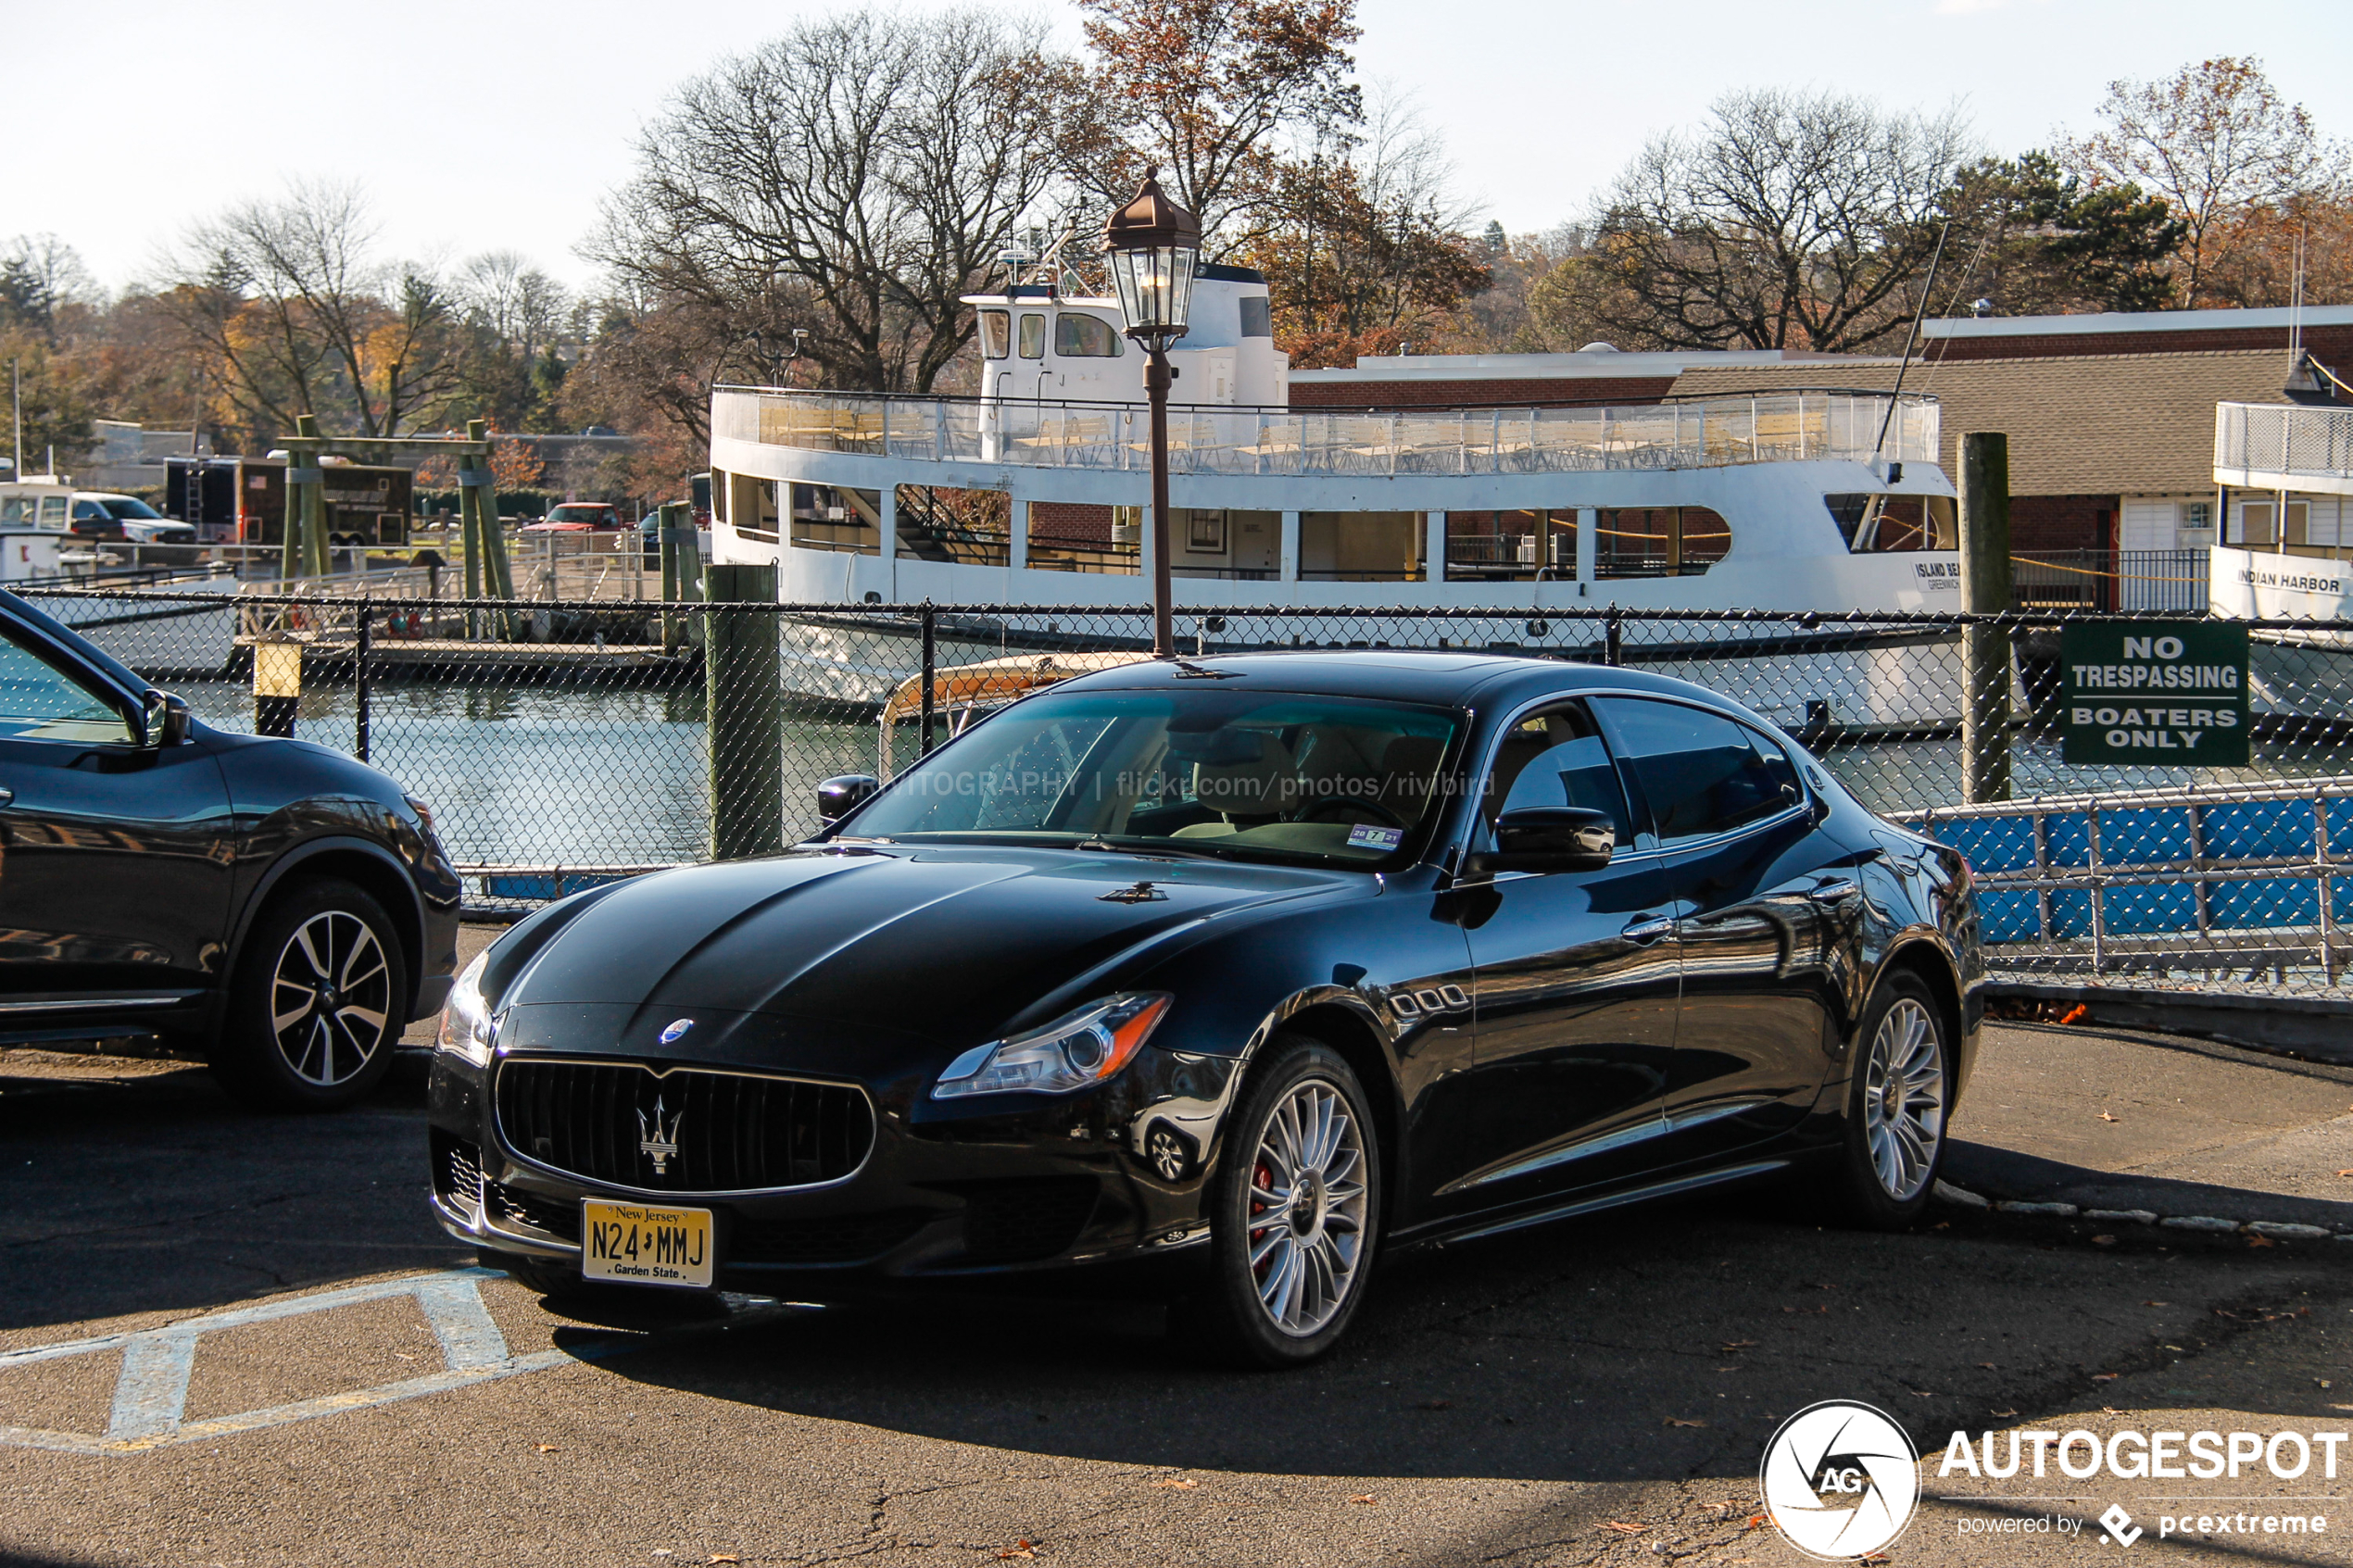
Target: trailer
x=243, y=500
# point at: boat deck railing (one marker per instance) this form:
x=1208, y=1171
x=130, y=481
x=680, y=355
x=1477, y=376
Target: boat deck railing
x=1778, y=427
x=2283, y=446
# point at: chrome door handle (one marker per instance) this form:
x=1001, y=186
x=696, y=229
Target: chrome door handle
x=1835, y=892
x=1642, y=933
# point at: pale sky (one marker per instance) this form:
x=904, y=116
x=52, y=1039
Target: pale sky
x=484, y=126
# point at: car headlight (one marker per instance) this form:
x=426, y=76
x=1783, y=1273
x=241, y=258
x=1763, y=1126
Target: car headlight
x=468, y=1029
x=1075, y=1052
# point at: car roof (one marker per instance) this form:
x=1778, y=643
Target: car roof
x=1463, y=679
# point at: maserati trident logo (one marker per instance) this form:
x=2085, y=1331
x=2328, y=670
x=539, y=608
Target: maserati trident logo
x=659, y=1138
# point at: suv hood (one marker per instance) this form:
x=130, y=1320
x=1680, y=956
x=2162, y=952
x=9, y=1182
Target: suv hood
x=950, y=942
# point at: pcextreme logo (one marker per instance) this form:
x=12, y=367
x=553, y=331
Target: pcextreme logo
x=1839, y=1480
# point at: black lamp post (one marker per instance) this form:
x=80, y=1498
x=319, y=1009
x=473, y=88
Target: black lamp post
x=1152, y=243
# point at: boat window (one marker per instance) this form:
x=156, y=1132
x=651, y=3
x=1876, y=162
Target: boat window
x=1079, y=336
x=1875, y=524
x=52, y=511
x=996, y=335
x=1658, y=541
x=1258, y=316
x=17, y=509
x=955, y=526
x=1239, y=775
x=1700, y=772
x=1033, y=337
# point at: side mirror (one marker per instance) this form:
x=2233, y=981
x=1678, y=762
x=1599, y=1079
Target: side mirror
x=837, y=798
x=1548, y=838
x=163, y=720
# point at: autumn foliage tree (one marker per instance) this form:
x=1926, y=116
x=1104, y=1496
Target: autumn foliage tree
x=1363, y=251
x=1214, y=93
x=2242, y=169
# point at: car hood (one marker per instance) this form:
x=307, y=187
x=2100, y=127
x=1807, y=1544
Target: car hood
x=950, y=942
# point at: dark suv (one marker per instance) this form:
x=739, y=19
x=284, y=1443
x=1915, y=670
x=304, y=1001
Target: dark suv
x=274, y=906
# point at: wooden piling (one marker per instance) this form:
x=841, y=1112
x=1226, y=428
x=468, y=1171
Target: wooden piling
x=743, y=673
x=1986, y=589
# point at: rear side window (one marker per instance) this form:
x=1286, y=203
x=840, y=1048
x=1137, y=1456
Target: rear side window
x=1702, y=773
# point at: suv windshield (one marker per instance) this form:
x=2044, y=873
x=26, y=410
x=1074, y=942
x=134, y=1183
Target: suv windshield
x=1244, y=775
x=124, y=508
x=574, y=512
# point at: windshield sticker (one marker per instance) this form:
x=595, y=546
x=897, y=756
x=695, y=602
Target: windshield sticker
x=1367, y=836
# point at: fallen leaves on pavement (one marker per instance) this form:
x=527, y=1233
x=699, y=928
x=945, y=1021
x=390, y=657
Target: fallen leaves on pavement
x=2106, y=1117
x=1019, y=1549
x=1367, y=1499
x=1678, y=1421
x=1623, y=1529
x=1176, y=1480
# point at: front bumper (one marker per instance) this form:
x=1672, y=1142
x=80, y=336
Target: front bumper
x=1102, y=1181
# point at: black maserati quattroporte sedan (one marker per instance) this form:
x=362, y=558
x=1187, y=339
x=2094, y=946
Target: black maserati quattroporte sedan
x=1229, y=975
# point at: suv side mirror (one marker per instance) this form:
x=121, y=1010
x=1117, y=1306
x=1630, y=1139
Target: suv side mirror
x=163, y=720
x=1548, y=838
x=837, y=798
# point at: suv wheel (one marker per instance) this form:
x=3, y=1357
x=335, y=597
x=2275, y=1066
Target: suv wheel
x=316, y=1001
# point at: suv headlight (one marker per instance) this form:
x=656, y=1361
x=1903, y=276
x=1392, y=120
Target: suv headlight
x=1075, y=1052
x=467, y=1030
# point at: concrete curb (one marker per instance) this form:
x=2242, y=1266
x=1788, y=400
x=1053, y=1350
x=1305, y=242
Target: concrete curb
x=1961, y=1198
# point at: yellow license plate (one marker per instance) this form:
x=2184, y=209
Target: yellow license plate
x=643, y=1246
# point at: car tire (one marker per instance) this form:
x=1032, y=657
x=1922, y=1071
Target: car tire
x=1289, y=1259
x=280, y=1051
x=1899, y=1099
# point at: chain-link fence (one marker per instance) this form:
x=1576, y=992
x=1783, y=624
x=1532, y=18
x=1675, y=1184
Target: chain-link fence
x=563, y=741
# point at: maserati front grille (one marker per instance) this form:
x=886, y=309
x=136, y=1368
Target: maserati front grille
x=684, y=1130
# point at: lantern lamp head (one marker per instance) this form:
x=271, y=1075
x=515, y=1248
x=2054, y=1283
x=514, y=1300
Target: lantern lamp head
x=1152, y=245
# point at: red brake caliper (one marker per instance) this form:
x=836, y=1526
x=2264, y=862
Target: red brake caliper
x=1261, y=1179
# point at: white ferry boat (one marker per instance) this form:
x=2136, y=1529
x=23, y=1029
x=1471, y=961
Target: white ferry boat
x=1033, y=494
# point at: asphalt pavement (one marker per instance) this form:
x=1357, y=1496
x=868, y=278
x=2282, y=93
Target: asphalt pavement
x=292, y=1364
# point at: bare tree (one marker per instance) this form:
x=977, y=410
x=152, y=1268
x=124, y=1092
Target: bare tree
x=1795, y=220
x=299, y=318
x=39, y=273
x=515, y=302
x=1213, y=92
x=853, y=176
x=2221, y=146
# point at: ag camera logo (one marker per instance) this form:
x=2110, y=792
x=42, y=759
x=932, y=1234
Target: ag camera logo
x=1839, y=1480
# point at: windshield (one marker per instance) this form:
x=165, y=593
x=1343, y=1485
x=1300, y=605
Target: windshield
x=1242, y=775
x=123, y=509
x=582, y=514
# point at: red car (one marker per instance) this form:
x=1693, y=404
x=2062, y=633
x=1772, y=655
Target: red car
x=578, y=517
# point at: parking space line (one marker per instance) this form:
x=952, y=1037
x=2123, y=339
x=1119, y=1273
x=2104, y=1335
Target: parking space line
x=153, y=1388
x=151, y=1392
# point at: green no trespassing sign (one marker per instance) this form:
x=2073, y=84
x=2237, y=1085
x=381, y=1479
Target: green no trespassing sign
x=2167, y=692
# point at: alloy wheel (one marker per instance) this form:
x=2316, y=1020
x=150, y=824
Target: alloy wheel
x=330, y=998
x=1904, y=1098
x=1307, y=1208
